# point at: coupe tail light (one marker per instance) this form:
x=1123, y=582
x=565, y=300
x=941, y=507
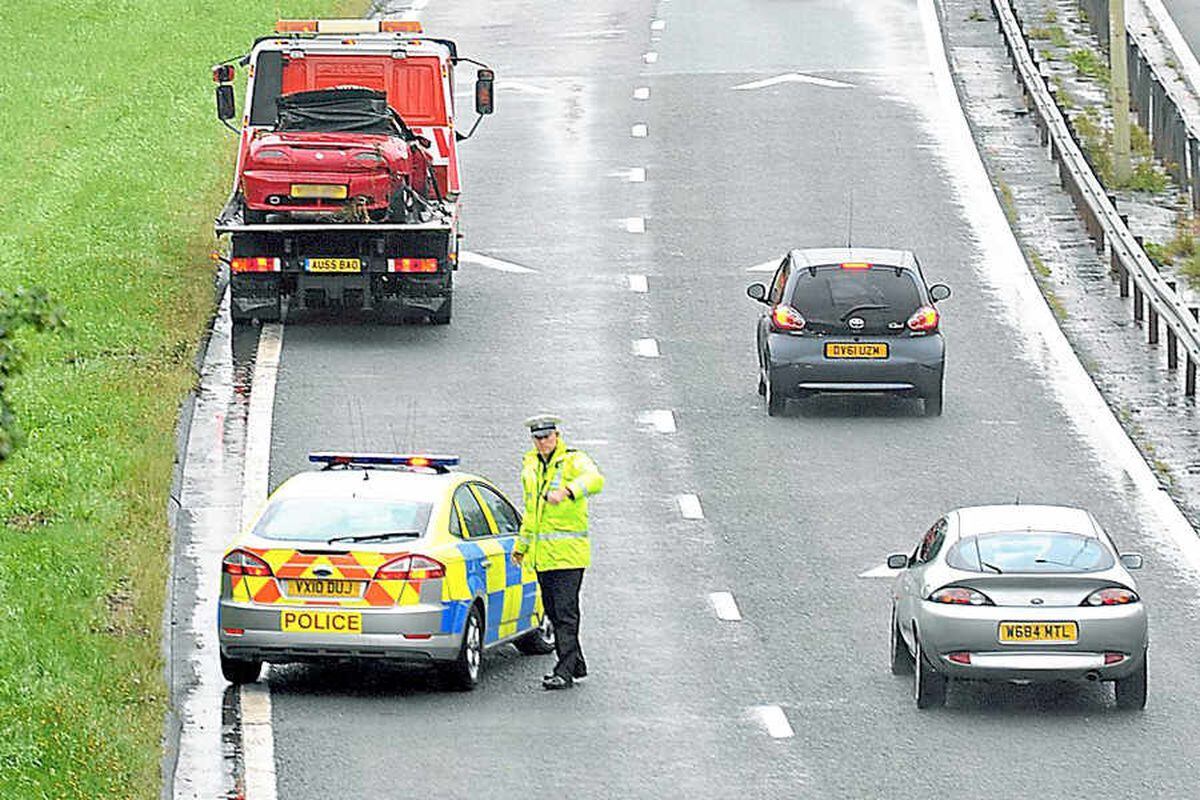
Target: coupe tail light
x=1112, y=596
x=960, y=596
x=410, y=568
x=412, y=265
x=369, y=157
x=786, y=318
x=925, y=319
x=239, y=562
x=254, y=264
x=271, y=155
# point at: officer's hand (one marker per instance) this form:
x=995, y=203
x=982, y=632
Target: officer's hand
x=518, y=558
x=556, y=496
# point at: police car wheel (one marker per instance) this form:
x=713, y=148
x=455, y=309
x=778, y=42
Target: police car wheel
x=463, y=672
x=539, y=641
x=237, y=670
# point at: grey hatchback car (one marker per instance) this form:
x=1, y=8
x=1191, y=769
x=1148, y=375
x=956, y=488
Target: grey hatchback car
x=1020, y=594
x=851, y=320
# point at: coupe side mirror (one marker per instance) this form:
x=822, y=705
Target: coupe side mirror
x=939, y=292
x=1132, y=560
x=485, y=81
x=757, y=291
x=226, y=109
x=897, y=561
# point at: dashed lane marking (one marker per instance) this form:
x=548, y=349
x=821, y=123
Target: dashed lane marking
x=775, y=721
x=480, y=260
x=634, y=224
x=658, y=24
x=641, y=93
x=638, y=283
x=689, y=506
x=639, y=131
x=725, y=606
x=637, y=175
x=661, y=420
x=651, y=57
x=646, y=348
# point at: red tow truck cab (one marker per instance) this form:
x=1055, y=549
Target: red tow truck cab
x=347, y=171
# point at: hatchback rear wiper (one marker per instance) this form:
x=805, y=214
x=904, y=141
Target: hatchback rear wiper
x=375, y=537
x=865, y=307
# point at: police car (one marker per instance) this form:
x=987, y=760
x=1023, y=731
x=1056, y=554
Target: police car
x=377, y=556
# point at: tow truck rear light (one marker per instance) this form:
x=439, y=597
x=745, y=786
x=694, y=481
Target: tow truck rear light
x=296, y=26
x=786, y=318
x=254, y=264
x=412, y=265
x=239, y=562
x=924, y=319
x=410, y=568
x=856, y=265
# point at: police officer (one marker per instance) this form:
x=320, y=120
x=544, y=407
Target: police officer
x=556, y=482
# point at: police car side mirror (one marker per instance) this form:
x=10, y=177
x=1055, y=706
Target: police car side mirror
x=897, y=561
x=939, y=292
x=757, y=291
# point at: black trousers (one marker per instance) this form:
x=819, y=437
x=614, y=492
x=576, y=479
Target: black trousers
x=560, y=596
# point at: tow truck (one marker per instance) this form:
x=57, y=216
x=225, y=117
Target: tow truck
x=347, y=184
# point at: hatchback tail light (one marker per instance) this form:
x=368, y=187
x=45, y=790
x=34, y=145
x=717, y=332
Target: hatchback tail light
x=786, y=318
x=960, y=596
x=1113, y=658
x=924, y=319
x=410, y=568
x=961, y=657
x=239, y=562
x=1111, y=596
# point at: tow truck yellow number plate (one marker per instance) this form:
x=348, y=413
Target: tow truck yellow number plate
x=856, y=350
x=324, y=191
x=320, y=622
x=1021, y=632
x=332, y=265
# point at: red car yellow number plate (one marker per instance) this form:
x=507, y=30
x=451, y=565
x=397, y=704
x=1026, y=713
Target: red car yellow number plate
x=324, y=191
x=856, y=350
x=320, y=622
x=1022, y=632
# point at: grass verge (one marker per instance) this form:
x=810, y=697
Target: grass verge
x=112, y=168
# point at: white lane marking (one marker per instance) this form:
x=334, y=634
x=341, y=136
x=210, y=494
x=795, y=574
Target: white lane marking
x=1029, y=314
x=882, y=571
x=641, y=93
x=258, y=743
x=658, y=24
x=638, y=283
x=256, y=477
x=661, y=419
x=775, y=721
x=637, y=175
x=639, y=131
x=689, y=506
x=646, y=348
x=480, y=260
x=793, y=77
x=650, y=58
x=766, y=266
x=634, y=224
x=725, y=606
x=1183, y=53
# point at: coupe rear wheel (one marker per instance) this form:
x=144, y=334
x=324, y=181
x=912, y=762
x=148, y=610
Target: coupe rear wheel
x=238, y=671
x=463, y=672
x=1131, y=691
x=902, y=660
x=929, y=687
x=539, y=641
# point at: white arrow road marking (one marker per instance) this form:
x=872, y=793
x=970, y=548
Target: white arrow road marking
x=646, y=348
x=882, y=571
x=467, y=257
x=638, y=283
x=794, y=77
x=661, y=419
x=774, y=720
x=650, y=58
x=725, y=606
x=639, y=131
x=689, y=506
x=634, y=224
x=641, y=93
x=766, y=266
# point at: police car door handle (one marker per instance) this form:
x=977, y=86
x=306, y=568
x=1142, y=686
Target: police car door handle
x=485, y=565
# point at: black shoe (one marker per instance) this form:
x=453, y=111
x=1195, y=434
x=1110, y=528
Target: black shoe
x=557, y=682
x=581, y=674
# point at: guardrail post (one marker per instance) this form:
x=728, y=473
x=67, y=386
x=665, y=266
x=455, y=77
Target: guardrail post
x=1189, y=378
x=1153, y=323
x=1172, y=342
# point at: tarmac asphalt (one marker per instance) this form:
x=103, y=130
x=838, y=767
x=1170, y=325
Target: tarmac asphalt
x=795, y=508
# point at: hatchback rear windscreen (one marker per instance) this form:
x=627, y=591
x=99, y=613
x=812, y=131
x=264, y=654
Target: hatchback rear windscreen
x=829, y=296
x=321, y=519
x=1030, y=551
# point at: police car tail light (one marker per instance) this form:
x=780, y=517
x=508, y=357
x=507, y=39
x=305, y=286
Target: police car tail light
x=410, y=568
x=239, y=562
x=1111, y=596
x=960, y=596
x=786, y=318
x=925, y=319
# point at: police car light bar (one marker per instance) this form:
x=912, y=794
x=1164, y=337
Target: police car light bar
x=437, y=463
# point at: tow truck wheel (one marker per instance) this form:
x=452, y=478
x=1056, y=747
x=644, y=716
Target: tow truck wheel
x=463, y=672
x=539, y=641
x=442, y=315
x=238, y=671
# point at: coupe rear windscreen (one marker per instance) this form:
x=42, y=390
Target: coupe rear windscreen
x=1030, y=551
x=833, y=293
x=318, y=520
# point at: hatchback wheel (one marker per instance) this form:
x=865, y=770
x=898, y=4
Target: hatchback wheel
x=902, y=660
x=776, y=401
x=929, y=687
x=463, y=672
x=539, y=641
x=933, y=404
x=1131, y=691
x=238, y=670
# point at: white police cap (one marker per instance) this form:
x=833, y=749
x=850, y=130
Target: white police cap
x=542, y=424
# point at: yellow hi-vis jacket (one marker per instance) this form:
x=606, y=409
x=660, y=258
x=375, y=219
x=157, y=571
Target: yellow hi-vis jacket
x=556, y=536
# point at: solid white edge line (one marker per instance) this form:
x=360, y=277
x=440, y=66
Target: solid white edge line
x=258, y=746
x=646, y=348
x=1183, y=52
x=639, y=131
x=1045, y=341
x=775, y=721
x=258, y=743
x=641, y=93
x=689, y=506
x=725, y=606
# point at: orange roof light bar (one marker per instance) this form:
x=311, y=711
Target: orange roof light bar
x=347, y=26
